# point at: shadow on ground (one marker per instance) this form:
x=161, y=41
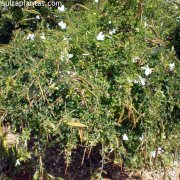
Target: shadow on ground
x=85, y=165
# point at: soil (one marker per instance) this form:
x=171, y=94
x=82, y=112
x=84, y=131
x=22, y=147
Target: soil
x=85, y=165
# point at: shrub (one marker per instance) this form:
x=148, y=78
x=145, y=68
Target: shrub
x=66, y=88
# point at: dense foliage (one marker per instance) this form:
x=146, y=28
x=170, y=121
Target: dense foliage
x=108, y=76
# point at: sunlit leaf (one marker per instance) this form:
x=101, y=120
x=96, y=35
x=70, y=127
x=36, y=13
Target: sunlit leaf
x=76, y=124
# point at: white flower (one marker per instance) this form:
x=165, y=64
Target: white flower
x=159, y=151
x=30, y=37
x=113, y=31
x=171, y=66
x=141, y=138
x=153, y=154
x=38, y=17
x=110, y=22
x=17, y=162
x=66, y=56
x=61, y=8
x=142, y=80
x=42, y=36
x=125, y=137
x=148, y=71
x=70, y=56
x=62, y=25
x=178, y=18
x=100, y=36
x=96, y=1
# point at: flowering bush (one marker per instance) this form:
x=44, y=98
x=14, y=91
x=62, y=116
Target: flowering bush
x=100, y=72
